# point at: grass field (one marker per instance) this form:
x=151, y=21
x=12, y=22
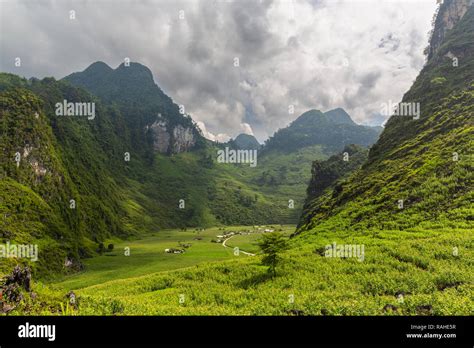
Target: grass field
x=412, y=272
x=249, y=242
x=148, y=255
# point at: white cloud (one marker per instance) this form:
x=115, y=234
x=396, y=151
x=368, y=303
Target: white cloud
x=246, y=128
x=219, y=137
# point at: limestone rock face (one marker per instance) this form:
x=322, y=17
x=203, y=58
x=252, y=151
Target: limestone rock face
x=161, y=137
x=450, y=12
x=36, y=164
x=183, y=139
x=171, y=140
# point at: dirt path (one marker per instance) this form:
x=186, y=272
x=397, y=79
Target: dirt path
x=240, y=251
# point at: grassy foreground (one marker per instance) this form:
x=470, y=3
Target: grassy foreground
x=413, y=272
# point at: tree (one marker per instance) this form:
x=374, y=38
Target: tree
x=101, y=248
x=271, y=245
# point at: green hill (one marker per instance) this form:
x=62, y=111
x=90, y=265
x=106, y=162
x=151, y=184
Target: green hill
x=62, y=196
x=285, y=159
x=153, y=121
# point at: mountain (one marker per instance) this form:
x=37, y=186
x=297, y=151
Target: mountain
x=271, y=178
x=419, y=173
x=227, y=193
x=284, y=161
x=152, y=117
x=128, y=170
x=246, y=142
x=332, y=130
x=339, y=116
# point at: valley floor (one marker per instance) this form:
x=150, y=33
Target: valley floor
x=147, y=255
x=416, y=272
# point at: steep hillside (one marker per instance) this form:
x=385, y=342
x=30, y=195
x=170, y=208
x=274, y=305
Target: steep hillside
x=449, y=14
x=328, y=175
x=61, y=202
x=420, y=172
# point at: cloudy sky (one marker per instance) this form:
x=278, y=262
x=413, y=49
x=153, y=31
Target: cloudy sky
x=237, y=66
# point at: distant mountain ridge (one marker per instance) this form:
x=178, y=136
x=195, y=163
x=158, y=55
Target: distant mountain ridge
x=111, y=84
x=245, y=142
x=339, y=116
x=333, y=130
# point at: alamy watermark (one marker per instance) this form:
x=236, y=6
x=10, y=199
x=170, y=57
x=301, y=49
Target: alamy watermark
x=345, y=251
x=237, y=156
x=75, y=109
x=401, y=109
x=27, y=251
x=37, y=331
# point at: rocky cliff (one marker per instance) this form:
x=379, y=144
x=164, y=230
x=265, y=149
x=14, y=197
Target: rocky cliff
x=450, y=12
x=169, y=139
